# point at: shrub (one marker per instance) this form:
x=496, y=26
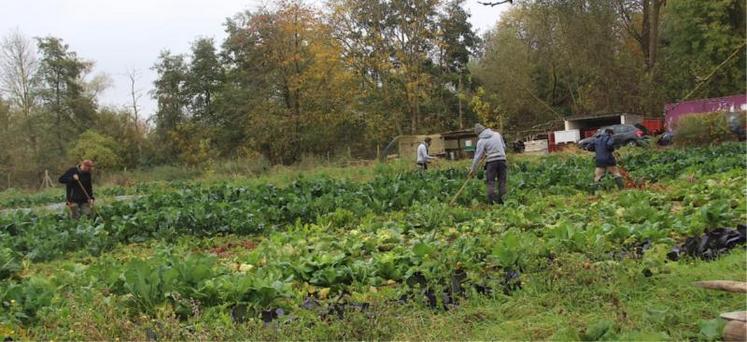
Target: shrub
x=100, y=148
x=703, y=129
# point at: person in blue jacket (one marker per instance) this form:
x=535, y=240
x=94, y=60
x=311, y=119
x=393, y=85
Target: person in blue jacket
x=605, y=160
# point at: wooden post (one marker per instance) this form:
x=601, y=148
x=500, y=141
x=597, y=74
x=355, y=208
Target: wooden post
x=724, y=285
x=378, y=152
x=735, y=331
x=736, y=326
x=46, y=181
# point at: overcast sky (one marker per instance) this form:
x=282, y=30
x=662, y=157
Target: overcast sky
x=128, y=35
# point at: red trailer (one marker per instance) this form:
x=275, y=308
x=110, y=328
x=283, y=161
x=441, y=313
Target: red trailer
x=655, y=126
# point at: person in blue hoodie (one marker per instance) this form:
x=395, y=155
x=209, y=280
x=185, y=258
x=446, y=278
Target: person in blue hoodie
x=604, y=145
x=492, y=146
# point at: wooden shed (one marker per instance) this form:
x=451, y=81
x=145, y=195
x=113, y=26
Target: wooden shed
x=459, y=144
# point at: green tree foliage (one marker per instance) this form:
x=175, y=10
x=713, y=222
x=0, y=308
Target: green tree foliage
x=563, y=54
x=286, y=75
x=61, y=89
x=292, y=79
x=47, y=103
x=205, y=77
x=409, y=58
x=580, y=57
x=699, y=36
x=173, y=99
x=132, y=149
x=457, y=42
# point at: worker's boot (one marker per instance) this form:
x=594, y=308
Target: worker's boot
x=620, y=183
x=494, y=198
x=595, y=187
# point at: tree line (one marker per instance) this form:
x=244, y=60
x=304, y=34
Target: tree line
x=293, y=79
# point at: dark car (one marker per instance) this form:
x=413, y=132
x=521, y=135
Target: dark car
x=622, y=135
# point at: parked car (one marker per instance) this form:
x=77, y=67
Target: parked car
x=622, y=135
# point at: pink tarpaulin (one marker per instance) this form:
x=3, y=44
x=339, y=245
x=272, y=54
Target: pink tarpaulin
x=674, y=111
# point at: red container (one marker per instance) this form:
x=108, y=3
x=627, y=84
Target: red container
x=551, y=146
x=654, y=125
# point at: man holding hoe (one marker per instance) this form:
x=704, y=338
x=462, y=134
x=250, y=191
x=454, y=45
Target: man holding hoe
x=493, y=148
x=79, y=191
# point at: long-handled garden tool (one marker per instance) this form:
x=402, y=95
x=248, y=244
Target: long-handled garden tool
x=453, y=199
x=90, y=200
x=469, y=176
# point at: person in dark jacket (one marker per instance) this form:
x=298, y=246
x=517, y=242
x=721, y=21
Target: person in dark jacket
x=79, y=190
x=605, y=160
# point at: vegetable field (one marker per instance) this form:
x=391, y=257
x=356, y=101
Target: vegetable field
x=387, y=257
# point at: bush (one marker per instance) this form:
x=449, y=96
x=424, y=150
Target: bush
x=102, y=149
x=703, y=129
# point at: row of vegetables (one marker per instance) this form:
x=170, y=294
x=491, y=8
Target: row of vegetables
x=321, y=244
x=250, y=209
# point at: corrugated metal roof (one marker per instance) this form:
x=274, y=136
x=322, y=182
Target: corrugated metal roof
x=596, y=116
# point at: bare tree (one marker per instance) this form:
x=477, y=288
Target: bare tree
x=648, y=34
x=135, y=94
x=18, y=64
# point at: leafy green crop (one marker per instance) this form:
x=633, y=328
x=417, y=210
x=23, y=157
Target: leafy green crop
x=323, y=239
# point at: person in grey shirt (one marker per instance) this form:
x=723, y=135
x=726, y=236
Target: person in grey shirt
x=423, y=157
x=492, y=146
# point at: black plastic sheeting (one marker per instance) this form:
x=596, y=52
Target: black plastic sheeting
x=710, y=245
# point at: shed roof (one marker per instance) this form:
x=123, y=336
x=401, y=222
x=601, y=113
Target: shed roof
x=459, y=134
x=596, y=116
